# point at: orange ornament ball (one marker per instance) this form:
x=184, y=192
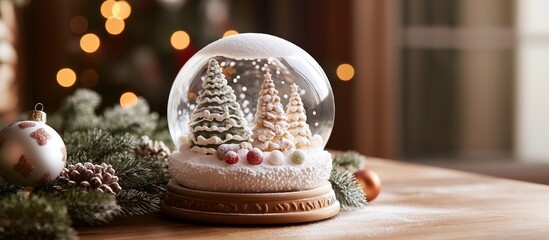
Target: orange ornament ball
x=370, y=183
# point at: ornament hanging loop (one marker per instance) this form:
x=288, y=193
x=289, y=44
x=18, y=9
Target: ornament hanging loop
x=38, y=114
x=39, y=105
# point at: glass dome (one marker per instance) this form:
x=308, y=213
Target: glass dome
x=244, y=59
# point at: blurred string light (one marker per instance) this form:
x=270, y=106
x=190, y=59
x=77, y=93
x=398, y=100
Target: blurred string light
x=106, y=8
x=180, y=40
x=89, y=43
x=79, y=24
x=115, y=12
x=66, y=77
x=229, y=33
x=345, y=72
x=114, y=25
x=128, y=100
x=121, y=9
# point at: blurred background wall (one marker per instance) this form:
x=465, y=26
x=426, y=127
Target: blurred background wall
x=457, y=83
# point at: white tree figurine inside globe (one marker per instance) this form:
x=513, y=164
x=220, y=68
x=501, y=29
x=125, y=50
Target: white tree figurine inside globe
x=251, y=113
x=244, y=59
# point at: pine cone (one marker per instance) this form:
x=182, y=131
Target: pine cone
x=148, y=147
x=90, y=177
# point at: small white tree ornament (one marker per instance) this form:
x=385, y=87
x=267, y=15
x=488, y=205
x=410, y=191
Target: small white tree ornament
x=217, y=118
x=297, y=119
x=270, y=131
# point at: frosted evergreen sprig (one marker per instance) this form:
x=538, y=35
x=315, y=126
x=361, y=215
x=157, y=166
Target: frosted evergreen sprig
x=347, y=190
x=95, y=145
x=34, y=217
x=350, y=160
x=77, y=112
x=90, y=208
x=141, y=173
x=97, y=138
x=7, y=189
x=135, y=172
x=136, y=202
x=138, y=120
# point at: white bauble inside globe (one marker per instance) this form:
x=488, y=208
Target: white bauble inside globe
x=244, y=59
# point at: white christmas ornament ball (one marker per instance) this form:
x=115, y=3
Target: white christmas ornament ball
x=276, y=158
x=31, y=153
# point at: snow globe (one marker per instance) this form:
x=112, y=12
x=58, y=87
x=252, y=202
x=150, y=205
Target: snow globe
x=251, y=115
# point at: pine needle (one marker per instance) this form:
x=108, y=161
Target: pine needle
x=347, y=190
x=138, y=119
x=34, y=217
x=7, y=189
x=106, y=138
x=162, y=133
x=350, y=160
x=94, y=145
x=77, y=112
x=139, y=173
x=90, y=208
x=134, y=202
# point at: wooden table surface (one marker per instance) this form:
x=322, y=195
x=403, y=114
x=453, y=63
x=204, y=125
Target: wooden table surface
x=416, y=202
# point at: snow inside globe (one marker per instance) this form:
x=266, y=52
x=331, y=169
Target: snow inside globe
x=251, y=113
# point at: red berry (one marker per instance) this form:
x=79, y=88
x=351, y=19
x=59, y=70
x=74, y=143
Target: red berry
x=255, y=156
x=231, y=157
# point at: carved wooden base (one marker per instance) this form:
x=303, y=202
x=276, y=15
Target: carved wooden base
x=250, y=208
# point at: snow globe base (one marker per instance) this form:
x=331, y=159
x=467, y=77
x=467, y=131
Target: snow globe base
x=250, y=208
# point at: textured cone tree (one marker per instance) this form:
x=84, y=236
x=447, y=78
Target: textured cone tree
x=297, y=119
x=217, y=118
x=270, y=130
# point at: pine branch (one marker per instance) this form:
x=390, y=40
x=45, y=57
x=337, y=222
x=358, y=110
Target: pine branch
x=95, y=145
x=77, y=112
x=90, y=208
x=134, y=202
x=46, y=189
x=347, y=190
x=162, y=133
x=34, y=217
x=350, y=160
x=7, y=189
x=145, y=174
x=141, y=173
x=111, y=139
x=137, y=120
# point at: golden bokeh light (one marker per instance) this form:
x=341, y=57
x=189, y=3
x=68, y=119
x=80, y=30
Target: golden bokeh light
x=345, y=72
x=115, y=9
x=121, y=9
x=107, y=8
x=128, y=100
x=180, y=40
x=229, y=33
x=79, y=24
x=66, y=77
x=89, y=78
x=114, y=25
x=89, y=43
